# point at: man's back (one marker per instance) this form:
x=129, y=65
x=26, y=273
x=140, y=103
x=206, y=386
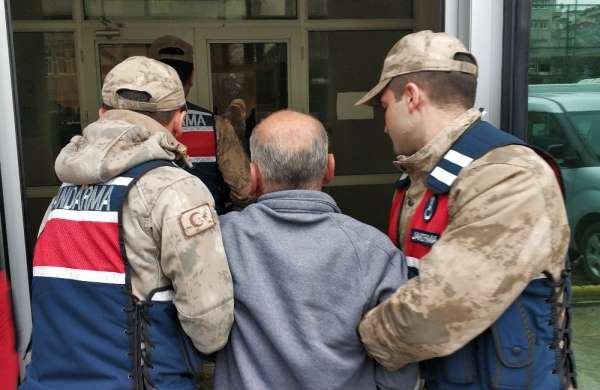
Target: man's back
x=304, y=274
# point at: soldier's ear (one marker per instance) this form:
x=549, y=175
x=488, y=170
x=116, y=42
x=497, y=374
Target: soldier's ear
x=177, y=123
x=414, y=97
x=101, y=111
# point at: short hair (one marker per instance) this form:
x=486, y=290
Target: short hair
x=288, y=166
x=162, y=117
x=184, y=69
x=445, y=89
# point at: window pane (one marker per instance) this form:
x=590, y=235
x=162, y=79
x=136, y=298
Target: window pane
x=41, y=9
x=196, y=9
x=564, y=42
x=112, y=54
x=564, y=120
x=352, y=201
x=48, y=100
x=353, y=9
x=342, y=62
x=36, y=208
x=255, y=72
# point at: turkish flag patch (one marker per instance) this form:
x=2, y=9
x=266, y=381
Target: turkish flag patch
x=197, y=220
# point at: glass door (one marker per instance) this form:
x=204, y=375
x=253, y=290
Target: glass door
x=263, y=67
x=253, y=73
x=253, y=66
x=104, y=48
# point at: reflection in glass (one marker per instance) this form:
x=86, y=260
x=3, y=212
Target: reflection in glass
x=48, y=100
x=41, y=9
x=352, y=9
x=350, y=61
x=197, y=9
x=564, y=120
x=255, y=72
x=564, y=42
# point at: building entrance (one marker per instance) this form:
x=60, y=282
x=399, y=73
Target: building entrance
x=312, y=56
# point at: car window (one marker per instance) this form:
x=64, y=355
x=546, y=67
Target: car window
x=546, y=131
x=587, y=124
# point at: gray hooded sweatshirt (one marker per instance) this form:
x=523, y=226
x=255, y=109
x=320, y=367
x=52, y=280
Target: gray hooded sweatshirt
x=304, y=275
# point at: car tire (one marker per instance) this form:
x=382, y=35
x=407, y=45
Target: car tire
x=590, y=250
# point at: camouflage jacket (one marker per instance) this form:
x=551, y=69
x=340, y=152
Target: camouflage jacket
x=234, y=163
x=507, y=224
x=161, y=249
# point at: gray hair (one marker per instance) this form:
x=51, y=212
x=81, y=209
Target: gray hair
x=293, y=155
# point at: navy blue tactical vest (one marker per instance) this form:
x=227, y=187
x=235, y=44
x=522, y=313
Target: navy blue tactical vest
x=200, y=137
x=89, y=330
x=528, y=347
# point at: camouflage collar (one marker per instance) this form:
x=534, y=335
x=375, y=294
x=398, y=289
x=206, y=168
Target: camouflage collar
x=135, y=118
x=419, y=164
x=144, y=121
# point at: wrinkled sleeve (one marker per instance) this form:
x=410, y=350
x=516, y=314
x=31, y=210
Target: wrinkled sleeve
x=498, y=239
x=385, y=271
x=193, y=258
x=233, y=163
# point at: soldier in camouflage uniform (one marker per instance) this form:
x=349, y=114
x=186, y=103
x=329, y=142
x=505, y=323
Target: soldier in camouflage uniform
x=216, y=152
x=482, y=216
x=130, y=250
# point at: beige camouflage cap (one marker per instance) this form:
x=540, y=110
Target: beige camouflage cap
x=180, y=50
x=421, y=51
x=143, y=74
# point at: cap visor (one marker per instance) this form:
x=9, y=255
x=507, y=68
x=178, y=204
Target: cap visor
x=368, y=99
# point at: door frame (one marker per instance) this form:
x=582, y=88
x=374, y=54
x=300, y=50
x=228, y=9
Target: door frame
x=92, y=38
x=201, y=36
x=291, y=36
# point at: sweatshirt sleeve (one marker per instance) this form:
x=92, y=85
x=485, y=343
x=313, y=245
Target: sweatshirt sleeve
x=507, y=224
x=385, y=270
x=193, y=258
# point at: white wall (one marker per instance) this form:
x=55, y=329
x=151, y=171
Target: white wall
x=478, y=23
x=11, y=191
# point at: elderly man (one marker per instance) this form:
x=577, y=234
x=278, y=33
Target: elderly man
x=304, y=274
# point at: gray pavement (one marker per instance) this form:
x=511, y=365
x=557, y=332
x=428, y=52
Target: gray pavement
x=586, y=343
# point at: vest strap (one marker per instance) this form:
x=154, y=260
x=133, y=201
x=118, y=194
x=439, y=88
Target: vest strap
x=478, y=140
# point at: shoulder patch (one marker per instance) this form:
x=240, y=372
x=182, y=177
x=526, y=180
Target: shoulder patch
x=197, y=220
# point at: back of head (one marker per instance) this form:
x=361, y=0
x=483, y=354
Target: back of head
x=290, y=149
x=176, y=53
x=144, y=85
x=437, y=62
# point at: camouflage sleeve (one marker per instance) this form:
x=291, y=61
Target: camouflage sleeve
x=233, y=162
x=507, y=223
x=389, y=278
x=193, y=258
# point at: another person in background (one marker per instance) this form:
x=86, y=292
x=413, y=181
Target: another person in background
x=304, y=273
x=215, y=150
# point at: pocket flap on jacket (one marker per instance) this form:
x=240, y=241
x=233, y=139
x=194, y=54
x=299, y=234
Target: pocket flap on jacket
x=513, y=339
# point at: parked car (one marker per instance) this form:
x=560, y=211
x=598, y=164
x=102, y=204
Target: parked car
x=564, y=120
